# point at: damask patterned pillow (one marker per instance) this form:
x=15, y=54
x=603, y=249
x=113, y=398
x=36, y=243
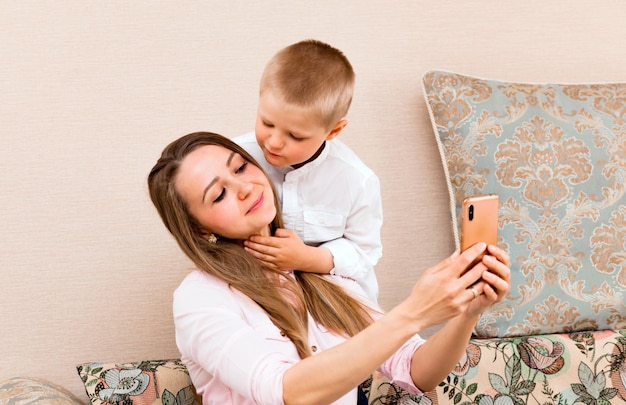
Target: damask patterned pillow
x=139, y=383
x=556, y=156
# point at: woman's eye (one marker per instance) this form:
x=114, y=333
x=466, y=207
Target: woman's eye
x=221, y=196
x=241, y=168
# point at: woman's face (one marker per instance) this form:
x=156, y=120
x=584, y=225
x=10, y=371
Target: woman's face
x=228, y=195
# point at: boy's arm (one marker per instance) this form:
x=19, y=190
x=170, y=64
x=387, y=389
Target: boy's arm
x=357, y=252
x=353, y=255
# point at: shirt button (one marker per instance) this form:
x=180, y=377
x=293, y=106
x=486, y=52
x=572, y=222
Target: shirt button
x=314, y=348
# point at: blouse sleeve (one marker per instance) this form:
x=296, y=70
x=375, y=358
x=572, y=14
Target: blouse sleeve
x=398, y=367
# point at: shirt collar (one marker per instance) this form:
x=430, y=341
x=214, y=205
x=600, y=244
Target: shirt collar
x=312, y=158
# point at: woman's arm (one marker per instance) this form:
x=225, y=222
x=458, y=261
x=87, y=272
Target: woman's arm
x=435, y=358
x=441, y=293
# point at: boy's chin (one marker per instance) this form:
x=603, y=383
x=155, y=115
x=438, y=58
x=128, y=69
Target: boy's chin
x=276, y=161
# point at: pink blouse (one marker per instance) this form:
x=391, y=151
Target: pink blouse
x=236, y=355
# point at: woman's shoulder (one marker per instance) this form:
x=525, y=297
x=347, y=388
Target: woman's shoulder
x=199, y=284
x=200, y=292
x=199, y=277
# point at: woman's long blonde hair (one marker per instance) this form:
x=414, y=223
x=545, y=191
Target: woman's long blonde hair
x=226, y=259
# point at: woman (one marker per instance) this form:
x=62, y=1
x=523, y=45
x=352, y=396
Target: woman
x=251, y=334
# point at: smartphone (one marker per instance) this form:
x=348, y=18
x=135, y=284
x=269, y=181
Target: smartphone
x=479, y=220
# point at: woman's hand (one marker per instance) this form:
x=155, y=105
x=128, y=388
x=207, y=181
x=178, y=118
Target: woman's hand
x=495, y=282
x=454, y=286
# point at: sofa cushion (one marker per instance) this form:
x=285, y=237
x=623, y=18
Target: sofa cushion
x=577, y=368
x=28, y=390
x=140, y=383
x=556, y=156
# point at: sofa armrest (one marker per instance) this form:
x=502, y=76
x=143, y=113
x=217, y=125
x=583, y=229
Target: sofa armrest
x=29, y=390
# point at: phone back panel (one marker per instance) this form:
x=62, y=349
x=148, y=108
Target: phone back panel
x=479, y=220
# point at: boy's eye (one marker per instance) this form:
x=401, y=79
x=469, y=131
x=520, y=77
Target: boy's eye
x=295, y=138
x=267, y=124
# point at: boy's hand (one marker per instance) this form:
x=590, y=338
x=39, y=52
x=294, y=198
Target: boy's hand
x=285, y=251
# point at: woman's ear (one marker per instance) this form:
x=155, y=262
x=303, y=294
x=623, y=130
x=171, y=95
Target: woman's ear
x=337, y=128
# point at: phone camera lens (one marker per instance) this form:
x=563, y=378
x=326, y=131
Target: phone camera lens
x=471, y=212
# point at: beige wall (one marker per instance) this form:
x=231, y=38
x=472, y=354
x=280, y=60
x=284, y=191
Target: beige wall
x=91, y=91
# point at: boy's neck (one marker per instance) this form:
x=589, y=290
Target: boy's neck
x=312, y=158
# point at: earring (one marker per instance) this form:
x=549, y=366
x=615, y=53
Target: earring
x=211, y=238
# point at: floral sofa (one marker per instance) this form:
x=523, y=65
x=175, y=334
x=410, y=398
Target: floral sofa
x=140, y=383
x=556, y=156
x=579, y=367
x=568, y=368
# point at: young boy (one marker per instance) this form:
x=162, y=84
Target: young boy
x=331, y=200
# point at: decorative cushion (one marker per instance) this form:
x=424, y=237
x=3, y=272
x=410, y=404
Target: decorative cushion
x=27, y=390
x=556, y=156
x=139, y=383
x=577, y=368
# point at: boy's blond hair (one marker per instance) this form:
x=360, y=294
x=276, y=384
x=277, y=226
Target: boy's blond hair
x=313, y=75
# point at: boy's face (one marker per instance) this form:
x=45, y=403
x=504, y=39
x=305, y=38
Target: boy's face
x=287, y=134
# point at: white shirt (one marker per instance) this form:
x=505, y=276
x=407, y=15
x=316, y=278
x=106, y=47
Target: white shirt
x=334, y=202
x=236, y=355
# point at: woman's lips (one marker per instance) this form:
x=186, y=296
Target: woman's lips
x=257, y=203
